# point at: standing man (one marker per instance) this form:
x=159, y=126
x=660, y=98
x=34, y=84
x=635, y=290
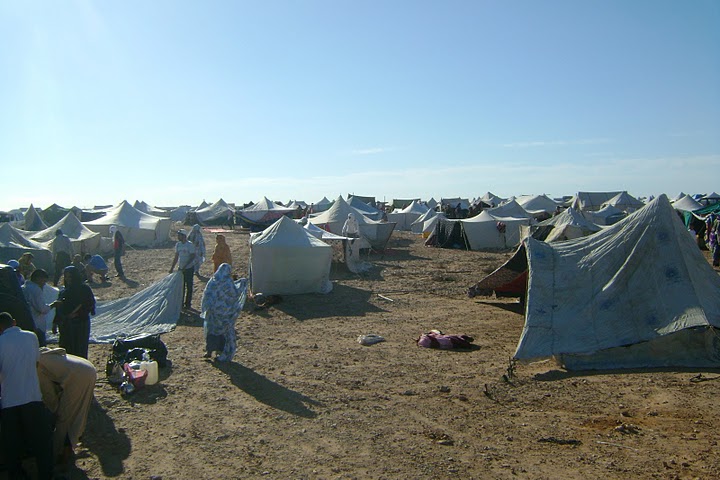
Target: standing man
x=33, y=291
x=25, y=420
x=118, y=250
x=62, y=251
x=185, y=260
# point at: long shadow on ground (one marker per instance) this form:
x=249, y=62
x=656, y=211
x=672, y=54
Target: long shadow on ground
x=555, y=375
x=343, y=301
x=110, y=445
x=266, y=391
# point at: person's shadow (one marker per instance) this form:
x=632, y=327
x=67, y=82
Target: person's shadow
x=266, y=391
x=110, y=445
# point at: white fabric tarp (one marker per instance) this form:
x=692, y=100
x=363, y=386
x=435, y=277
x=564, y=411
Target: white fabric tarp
x=630, y=284
x=155, y=309
x=287, y=259
x=138, y=228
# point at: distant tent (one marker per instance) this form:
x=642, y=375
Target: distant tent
x=144, y=207
x=321, y=206
x=488, y=232
x=452, y=202
x=637, y=294
x=215, y=214
x=14, y=242
x=54, y=213
x=427, y=226
x=406, y=216
x=432, y=203
x=447, y=234
x=33, y=221
x=364, y=199
x=202, y=205
x=417, y=225
x=400, y=204
x=686, y=204
x=368, y=210
x=376, y=233
x=510, y=208
x=180, y=213
x=287, y=259
x=591, y=201
x=538, y=205
x=82, y=238
x=139, y=229
x=566, y=225
x=491, y=199
x=263, y=214
x=710, y=199
x=625, y=202
x=608, y=215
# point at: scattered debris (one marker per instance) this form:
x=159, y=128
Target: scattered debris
x=446, y=441
x=626, y=428
x=370, y=339
x=700, y=378
x=560, y=441
x=385, y=298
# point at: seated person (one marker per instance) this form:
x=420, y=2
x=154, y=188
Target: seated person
x=95, y=264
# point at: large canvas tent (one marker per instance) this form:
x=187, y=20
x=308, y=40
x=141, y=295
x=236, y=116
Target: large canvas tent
x=376, y=233
x=366, y=209
x=149, y=209
x=488, y=232
x=636, y=294
x=14, y=242
x=625, y=202
x=607, y=215
x=139, y=229
x=686, y=204
x=538, y=205
x=54, y=213
x=287, y=259
x=511, y=208
x=82, y=238
x=591, y=201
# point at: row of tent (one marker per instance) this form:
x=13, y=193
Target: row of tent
x=635, y=294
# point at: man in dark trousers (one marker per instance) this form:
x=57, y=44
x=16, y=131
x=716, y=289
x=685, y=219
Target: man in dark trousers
x=185, y=255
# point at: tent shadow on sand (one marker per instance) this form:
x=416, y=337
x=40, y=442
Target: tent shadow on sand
x=266, y=391
x=343, y=301
x=518, y=308
x=555, y=375
x=110, y=444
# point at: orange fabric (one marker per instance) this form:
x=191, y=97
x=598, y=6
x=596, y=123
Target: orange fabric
x=222, y=253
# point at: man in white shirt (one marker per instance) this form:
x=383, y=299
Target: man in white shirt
x=33, y=290
x=25, y=421
x=184, y=258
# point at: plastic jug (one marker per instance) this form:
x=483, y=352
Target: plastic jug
x=152, y=368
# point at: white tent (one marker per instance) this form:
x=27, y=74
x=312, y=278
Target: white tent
x=625, y=202
x=511, y=208
x=263, y=213
x=180, y=213
x=215, y=214
x=138, y=228
x=591, y=201
x=538, y=204
x=488, y=232
x=406, y=217
x=607, y=215
x=322, y=205
x=636, y=294
x=491, y=199
x=332, y=220
x=14, y=242
x=566, y=225
x=149, y=209
x=82, y=238
x=287, y=259
x=323, y=235
x=417, y=225
x=366, y=209
x=686, y=204
x=32, y=220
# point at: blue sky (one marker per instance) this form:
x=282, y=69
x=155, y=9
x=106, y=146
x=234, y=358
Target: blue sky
x=173, y=102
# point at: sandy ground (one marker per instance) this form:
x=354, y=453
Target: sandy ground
x=304, y=400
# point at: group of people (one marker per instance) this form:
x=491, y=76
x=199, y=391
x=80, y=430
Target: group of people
x=712, y=237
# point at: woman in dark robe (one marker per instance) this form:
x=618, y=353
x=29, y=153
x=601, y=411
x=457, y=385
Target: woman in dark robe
x=75, y=304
